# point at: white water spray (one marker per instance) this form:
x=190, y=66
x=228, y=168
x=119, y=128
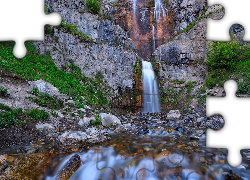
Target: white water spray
x=150, y=89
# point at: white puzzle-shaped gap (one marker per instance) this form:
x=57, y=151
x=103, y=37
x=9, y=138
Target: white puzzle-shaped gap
x=236, y=113
x=235, y=12
x=27, y=19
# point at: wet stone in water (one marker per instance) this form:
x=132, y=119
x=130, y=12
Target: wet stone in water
x=71, y=166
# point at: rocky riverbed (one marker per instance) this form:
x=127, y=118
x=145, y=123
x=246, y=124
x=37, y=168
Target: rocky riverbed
x=170, y=145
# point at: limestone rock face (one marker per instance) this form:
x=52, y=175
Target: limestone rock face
x=112, y=53
x=171, y=51
x=186, y=11
x=91, y=24
x=114, y=62
x=109, y=119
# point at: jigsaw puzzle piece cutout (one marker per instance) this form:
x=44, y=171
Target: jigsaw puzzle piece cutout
x=236, y=113
x=25, y=25
x=234, y=13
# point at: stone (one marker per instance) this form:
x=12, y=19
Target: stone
x=87, y=107
x=86, y=121
x=71, y=166
x=108, y=119
x=73, y=135
x=45, y=87
x=174, y=114
x=45, y=126
x=81, y=109
x=96, y=135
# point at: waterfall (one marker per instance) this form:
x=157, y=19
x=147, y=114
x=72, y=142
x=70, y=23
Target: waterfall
x=159, y=13
x=150, y=89
x=153, y=36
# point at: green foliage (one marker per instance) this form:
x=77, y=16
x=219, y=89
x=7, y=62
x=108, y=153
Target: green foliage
x=3, y=92
x=93, y=6
x=37, y=115
x=9, y=116
x=21, y=123
x=79, y=104
x=48, y=29
x=73, y=29
x=44, y=100
x=34, y=91
x=177, y=81
x=229, y=60
x=202, y=90
x=202, y=99
x=80, y=113
x=45, y=9
x=54, y=114
x=35, y=66
x=177, y=99
x=138, y=66
x=226, y=55
x=193, y=23
x=107, y=17
x=97, y=121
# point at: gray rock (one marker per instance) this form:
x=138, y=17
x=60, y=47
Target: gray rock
x=109, y=119
x=86, y=121
x=41, y=126
x=73, y=136
x=96, y=135
x=45, y=87
x=113, y=53
x=174, y=114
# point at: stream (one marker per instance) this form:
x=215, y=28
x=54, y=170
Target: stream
x=156, y=152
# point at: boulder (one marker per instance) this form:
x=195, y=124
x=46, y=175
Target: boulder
x=45, y=87
x=108, y=119
x=73, y=136
x=96, y=135
x=45, y=128
x=86, y=120
x=174, y=114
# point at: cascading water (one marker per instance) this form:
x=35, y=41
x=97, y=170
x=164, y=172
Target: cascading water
x=153, y=35
x=160, y=13
x=150, y=89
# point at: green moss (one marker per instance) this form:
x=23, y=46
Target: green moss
x=97, y=121
x=9, y=116
x=192, y=24
x=73, y=29
x=37, y=115
x=229, y=60
x=3, y=92
x=93, y=6
x=35, y=66
x=44, y=100
x=174, y=99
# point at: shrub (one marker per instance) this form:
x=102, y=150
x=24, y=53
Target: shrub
x=37, y=115
x=3, y=92
x=73, y=29
x=34, y=91
x=93, y=6
x=225, y=55
x=97, y=121
x=35, y=66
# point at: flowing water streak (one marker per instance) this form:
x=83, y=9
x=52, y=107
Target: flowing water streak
x=150, y=89
x=159, y=12
x=153, y=35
